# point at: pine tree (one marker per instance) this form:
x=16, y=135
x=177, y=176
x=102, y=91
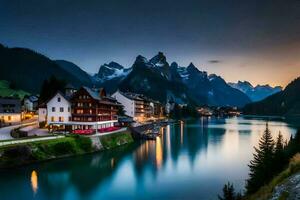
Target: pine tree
x=228, y=192
x=279, y=157
x=261, y=165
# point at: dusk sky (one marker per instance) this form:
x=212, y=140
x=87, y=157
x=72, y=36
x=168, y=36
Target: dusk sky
x=258, y=41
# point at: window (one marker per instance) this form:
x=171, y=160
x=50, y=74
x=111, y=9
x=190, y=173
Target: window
x=58, y=99
x=61, y=119
x=9, y=118
x=69, y=109
x=52, y=119
x=70, y=118
x=79, y=111
x=61, y=109
x=91, y=111
x=53, y=109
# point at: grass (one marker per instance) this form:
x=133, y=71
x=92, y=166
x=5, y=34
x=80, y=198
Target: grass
x=6, y=91
x=20, y=154
x=117, y=139
x=44, y=150
x=266, y=191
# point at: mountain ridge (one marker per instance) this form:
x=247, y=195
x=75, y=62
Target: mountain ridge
x=286, y=102
x=255, y=93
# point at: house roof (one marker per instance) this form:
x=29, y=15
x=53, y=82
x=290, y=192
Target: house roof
x=62, y=94
x=33, y=98
x=70, y=86
x=10, y=105
x=139, y=97
x=131, y=96
x=94, y=94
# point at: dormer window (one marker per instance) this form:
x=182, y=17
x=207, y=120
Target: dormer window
x=58, y=99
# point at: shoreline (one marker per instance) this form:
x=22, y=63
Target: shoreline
x=43, y=151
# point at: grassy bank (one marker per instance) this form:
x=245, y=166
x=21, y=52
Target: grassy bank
x=115, y=140
x=21, y=154
x=266, y=191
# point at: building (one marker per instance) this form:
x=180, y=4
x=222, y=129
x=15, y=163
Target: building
x=138, y=106
x=85, y=109
x=42, y=113
x=133, y=104
x=10, y=110
x=92, y=105
x=58, y=109
x=31, y=103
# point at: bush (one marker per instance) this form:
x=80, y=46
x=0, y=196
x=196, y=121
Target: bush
x=84, y=143
x=42, y=124
x=114, y=140
x=63, y=148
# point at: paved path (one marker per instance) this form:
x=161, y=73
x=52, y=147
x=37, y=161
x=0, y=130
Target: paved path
x=5, y=132
x=20, y=141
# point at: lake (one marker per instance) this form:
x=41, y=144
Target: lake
x=191, y=160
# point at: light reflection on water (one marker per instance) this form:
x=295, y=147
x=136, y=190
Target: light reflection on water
x=192, y=159
x=34, y=181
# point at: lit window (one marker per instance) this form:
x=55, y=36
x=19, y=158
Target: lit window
x=9, y=118
x=52, y=119
x=61, y=119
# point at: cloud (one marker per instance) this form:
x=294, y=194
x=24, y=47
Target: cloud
x=214, y=61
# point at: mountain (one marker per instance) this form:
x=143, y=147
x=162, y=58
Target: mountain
x=152, y=78
x=161, y=81
x=286, y=102
x=27, y=69
x=76, y=71
x=256, y=93
x=111, y=71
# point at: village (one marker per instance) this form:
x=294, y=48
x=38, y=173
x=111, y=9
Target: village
x=86, y=111
x=83, y=111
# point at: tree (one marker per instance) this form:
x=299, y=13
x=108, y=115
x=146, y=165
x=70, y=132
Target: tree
x=50, y=87
x=262, y=163
x=229, y=194
x=121, y=111
x=279, y=157
x=294, y=145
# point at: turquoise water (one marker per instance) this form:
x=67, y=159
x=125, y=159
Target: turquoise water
x=191, y=160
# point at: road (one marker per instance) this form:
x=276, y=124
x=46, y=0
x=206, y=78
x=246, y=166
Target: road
x=5, y=132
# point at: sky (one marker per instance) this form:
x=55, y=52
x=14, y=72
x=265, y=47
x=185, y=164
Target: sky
x=255, y=40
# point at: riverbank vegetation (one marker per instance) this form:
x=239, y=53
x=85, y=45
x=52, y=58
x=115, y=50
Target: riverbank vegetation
x=273, y=162
x=114, y=140
x=21, y=154
x=25, y=153
x=265, y=192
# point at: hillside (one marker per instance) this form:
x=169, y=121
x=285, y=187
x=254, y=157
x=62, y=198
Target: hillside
x=6, y=91
x=27, y=69
x=286, y=102
x=284, y=186
x=75, y=70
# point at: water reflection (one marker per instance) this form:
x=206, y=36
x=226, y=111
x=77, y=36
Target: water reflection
x=34, y=181
x=191, y=159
